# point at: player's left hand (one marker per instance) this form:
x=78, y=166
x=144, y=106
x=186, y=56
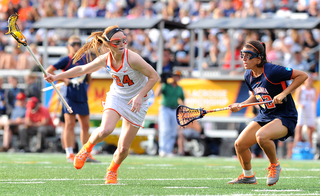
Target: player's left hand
x=136, y=103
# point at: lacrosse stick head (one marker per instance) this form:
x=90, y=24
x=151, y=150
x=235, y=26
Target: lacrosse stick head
x=186, y=115
x=14, y=30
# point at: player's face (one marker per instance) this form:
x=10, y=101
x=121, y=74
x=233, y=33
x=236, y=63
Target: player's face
x=249, y=58
x=74, y=45
x=118, y=41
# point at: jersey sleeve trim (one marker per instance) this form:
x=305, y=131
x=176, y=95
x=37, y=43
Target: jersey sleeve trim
x=53, y=67
x=292, y=73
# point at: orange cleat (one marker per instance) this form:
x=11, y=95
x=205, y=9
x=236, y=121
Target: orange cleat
x=81, y=158
x=70, y=158
x=91, y=159
x=111, y=177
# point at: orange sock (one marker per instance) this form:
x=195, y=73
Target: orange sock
x=89, y=146
x=113, y=167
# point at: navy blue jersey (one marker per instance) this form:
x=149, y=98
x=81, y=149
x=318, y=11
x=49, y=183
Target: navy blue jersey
x=266, y=86
x=73, y=92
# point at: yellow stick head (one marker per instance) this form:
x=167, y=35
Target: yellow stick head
x=14, y=30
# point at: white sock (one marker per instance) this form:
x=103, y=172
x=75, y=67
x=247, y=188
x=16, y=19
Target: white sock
x=248, y=172
x=69, y=150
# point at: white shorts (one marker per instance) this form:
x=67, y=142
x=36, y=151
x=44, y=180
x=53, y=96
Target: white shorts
x=306, y=117
x=119, y=105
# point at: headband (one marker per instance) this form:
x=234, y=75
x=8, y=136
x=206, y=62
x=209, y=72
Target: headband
x=253, y=47
x=111, y=33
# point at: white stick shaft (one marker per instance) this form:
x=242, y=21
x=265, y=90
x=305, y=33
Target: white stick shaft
x=52, y=84
x=51, y=87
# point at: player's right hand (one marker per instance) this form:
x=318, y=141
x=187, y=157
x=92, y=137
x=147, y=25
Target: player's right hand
x=235, y=107
x=49, y=77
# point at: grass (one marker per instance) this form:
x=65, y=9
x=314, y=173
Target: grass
x=50, y=174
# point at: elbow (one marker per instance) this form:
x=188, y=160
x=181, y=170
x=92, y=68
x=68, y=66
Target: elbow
x=158, y=78
x=305, y=76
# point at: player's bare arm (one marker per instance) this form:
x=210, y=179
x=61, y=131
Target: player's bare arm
x=93, y=66
x=137, y=63
x=142, y=66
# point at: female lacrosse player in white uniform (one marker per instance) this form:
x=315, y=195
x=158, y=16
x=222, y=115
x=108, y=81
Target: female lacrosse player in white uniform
x=306, y=102
x=132, y=86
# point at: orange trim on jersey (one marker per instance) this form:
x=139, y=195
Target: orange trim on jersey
x=122, y=116
x=128, y=58
x=292, y=73
x=53, y=67
x=70, y=60
x=268, y=79
x=283, y=84
x=116, y=70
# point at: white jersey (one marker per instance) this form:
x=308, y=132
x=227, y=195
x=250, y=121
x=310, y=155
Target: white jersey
x=127, y=83
x=307, y=114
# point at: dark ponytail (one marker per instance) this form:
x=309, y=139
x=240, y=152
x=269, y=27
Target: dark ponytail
x=260, y=49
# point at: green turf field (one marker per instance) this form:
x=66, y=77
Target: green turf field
x=50, y=174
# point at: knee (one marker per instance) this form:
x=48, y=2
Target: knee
x=70, y=125
x=239, y=146
x=104, y=131
x=261, y=138
x=123, y=149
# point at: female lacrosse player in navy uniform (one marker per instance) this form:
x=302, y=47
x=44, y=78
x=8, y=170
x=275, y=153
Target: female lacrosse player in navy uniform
x=76, y=97
x=133, y=80
x=276, y=120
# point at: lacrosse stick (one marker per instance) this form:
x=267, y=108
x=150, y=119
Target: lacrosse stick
x=186, y=115
x=15, y=32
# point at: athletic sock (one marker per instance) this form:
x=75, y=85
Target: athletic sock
x=69, y=151
x=248, y=173
x=113, y=166
x=89, y=146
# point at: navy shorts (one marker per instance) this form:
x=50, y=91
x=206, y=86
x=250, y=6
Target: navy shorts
x=289, y=123
x=81, y=108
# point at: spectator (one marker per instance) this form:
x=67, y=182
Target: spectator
x=9, y=60
x=37, y=122
x=192, y=130
x=268, y=6
x=2, y=99
x=12, y=94
x=171, y=95
x=251, y=11
x=182, y=54
x=167, y=61
x=101, y=8
x=212, y=59
x=33, y=88
x=227, y=8
x=16, y=119
x=25, y=9
x=85, y=11
x=297, y=61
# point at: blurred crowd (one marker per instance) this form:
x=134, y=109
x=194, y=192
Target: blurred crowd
x=292, y=48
